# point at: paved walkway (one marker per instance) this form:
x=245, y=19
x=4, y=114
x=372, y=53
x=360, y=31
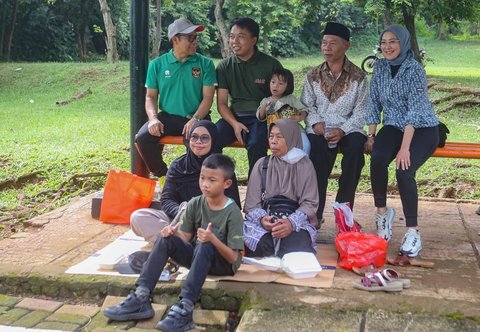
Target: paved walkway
x=447, y=296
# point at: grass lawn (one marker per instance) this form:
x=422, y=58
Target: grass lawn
x=60, y=149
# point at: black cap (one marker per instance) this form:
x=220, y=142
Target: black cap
x=337, y=29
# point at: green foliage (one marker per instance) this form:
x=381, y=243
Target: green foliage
x=42, y=35
x=51, y=30
x=422, y=29
x=285, y=44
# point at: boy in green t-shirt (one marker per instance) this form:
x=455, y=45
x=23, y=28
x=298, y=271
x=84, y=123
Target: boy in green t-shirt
x=209, y=241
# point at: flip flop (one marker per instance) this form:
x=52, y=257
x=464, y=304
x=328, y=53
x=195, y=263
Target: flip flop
x=362, y=271
x=392, y=275
x=403, y=260
x=376, y=282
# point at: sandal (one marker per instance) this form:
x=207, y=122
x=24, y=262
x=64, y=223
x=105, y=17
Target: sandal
x=362, y=271
x=171, y=266
x=376, y=282
x=404, y=260
x=392, y=275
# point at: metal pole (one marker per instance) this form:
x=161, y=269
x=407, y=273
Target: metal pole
x=138, y=73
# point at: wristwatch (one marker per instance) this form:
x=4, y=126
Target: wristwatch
x=370, y=135
x=196, y=117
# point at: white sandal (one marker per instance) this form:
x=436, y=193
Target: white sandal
x=373, y=282
x=392, y=275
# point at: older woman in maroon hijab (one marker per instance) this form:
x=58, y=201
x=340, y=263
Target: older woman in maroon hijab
x=282, y=217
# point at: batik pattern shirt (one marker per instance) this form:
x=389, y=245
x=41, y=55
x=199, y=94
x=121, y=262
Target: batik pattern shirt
x=339, y=102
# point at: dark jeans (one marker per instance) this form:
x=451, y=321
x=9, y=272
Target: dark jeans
x=202, y=259
x=150, y=149
x=257, y=140
x=353, y=160
x=387, y=144
x=296, y=241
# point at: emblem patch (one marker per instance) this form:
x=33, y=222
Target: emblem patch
x=196, y=71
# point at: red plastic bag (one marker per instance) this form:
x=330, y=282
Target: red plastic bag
x=124, y=193
x=344, y=218
x=360, y=249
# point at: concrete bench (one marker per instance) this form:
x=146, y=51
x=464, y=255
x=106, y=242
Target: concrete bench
x=450, y=150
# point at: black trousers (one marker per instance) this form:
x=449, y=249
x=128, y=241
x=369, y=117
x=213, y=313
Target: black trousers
x=296, y=241
x=148, y=144
x=256, y=142
x=353, y=160
x=202, y=259
x=387, y=144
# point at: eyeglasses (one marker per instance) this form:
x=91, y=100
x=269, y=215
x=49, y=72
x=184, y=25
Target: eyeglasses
x=204, y=139
x=190, y=37
x=384, y=43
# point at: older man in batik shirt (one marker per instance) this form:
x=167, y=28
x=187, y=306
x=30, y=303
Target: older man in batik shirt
x=336, y=94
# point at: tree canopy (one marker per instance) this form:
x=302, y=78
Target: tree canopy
x=74, y=30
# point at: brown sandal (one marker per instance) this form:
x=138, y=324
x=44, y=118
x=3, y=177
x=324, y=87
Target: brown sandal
x=362, y=271
x=404, y=260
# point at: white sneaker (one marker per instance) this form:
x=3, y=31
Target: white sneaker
x=411, y=243
x=384, y=224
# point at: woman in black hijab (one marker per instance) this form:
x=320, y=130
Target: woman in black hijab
x=181, y=183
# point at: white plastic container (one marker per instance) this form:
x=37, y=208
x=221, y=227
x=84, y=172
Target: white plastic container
x=301, y=265
x=266, y=263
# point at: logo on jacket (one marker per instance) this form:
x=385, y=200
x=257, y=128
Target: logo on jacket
x=167, y=73
x=196, y=71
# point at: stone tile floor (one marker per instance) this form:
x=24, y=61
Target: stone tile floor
x=31, y=314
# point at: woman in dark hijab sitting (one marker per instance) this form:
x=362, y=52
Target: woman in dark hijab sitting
x=181, y=184
x=281, y=218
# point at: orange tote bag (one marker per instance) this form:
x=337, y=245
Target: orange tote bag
x=124, y=193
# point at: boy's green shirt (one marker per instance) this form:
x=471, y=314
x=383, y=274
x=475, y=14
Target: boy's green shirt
x=227, y=223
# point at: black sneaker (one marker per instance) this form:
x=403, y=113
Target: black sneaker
x=179, y=318
x=131, y=308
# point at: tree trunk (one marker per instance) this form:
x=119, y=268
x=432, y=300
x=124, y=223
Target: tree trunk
x=265, y=41
x=3, y=10
x=442, y=32
x=80, y=36
x=387, y=14
x=157, y=38
x=409, y=19
x=224, y=35
x=7, y=47
x=111, y=32
x=264, y=28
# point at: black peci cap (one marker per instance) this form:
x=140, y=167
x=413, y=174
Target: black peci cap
x=337, y=29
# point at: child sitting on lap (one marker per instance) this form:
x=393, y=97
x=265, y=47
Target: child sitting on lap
x=282, y=104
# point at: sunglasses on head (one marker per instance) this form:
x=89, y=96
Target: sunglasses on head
x=203, y=138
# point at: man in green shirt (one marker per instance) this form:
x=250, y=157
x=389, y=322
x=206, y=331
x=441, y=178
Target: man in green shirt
x=244, y=76
x=180, y=89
